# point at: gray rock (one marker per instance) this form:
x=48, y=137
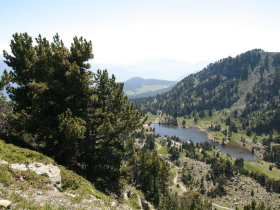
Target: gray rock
x=5, y=204
x=127, y=193
x=53, y=172
x=145, y=204
x=125, y=196
x=20, y=167
x=139, y=201
x=3, y=162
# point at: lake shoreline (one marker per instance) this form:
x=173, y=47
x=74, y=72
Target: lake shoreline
x=198, y=128
x=234, y=149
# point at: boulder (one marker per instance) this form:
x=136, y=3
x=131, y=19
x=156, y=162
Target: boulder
x=139, y=201
x=125, y=196
x=127, y=193
x=5, y=204
x=53, y=172
x=145, y=204
x=20, y=167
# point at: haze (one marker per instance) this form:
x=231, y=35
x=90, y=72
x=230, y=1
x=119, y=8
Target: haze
x=126, y=32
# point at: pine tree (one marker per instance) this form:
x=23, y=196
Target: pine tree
x=132, y=162
x=77, y=116
x=164, y=176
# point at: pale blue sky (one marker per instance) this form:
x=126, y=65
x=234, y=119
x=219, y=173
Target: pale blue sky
x=123, y=32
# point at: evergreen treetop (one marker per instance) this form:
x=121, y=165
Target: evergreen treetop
x=77, y=116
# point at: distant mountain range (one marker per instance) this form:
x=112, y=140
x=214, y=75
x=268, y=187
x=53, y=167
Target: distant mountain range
x=162, y=69
x=139, y=87
x=137, y=76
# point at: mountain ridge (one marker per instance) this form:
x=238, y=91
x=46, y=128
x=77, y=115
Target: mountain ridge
x=165, y=69
x=241, y=84
x=137, y=82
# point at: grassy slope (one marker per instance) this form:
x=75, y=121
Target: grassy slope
x=263, y=167
x=146, y=88
x=27, y=190
x=162, y=151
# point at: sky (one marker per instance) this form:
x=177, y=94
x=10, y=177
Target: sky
x=123, y=32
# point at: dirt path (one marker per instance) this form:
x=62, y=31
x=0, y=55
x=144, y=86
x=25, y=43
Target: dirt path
x=175, y=182
x=175, y=178
x=221, y=206
x=159, y=146
x=183, y=188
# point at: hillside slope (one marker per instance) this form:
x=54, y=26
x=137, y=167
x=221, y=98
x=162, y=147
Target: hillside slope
x=27, y=190
x=139, y=87
x=248, y=85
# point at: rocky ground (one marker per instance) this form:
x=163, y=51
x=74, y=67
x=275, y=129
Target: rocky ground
x=52, y=198
x=239, y=193
x=259, y=149
x=38, y=186
x=238, y=190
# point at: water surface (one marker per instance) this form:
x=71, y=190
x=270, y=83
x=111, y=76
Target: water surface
x=197, y=136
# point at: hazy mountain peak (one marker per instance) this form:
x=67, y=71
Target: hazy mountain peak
x=159, y=68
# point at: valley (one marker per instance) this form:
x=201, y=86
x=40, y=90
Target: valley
x=138, y=87
x=140, y=105
x=216, y=143
x=240, y=189
x=236, y=101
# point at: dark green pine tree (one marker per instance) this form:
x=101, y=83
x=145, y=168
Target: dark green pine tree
x=110, y=116
x=77, y=116
x=4, y=107
x=132, y=162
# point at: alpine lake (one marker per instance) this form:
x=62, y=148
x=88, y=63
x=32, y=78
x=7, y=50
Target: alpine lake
x=185, y=134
